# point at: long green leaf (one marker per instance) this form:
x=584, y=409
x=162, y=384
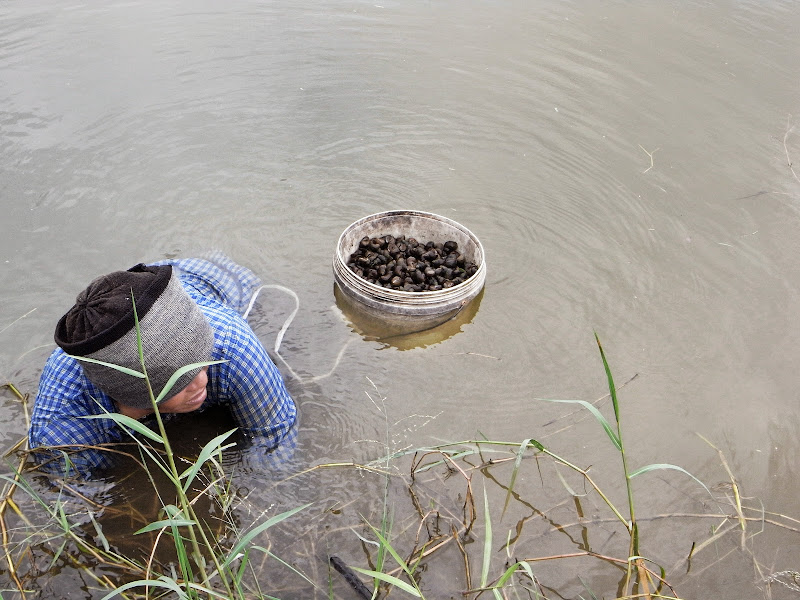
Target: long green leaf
x=179, y=373
x=119, y=368
x=597, y=415
x=611, y=387
x=254, y=532
x=183, y=558
x=22, y=483
x=662, y=466
x=207, y=452
x=99, y=531
x=385, y=543
x=507, y=575
x=165, y=523
x=285, y=564
x=391, y=580
x=487, y=542
x=567, y=486
x=162, y=583
x=517, y=461
x=129, y=422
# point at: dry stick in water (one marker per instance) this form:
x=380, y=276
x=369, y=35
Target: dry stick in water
x=464, y=554
x=15, y=320
x=650, y=154
x=351, y=578
x=8, y=492
x=735, y=487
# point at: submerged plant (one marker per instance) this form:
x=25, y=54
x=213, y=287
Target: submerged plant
x=399, y=551
x=641, y=579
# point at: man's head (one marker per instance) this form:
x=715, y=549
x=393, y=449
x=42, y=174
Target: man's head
x=101, y=326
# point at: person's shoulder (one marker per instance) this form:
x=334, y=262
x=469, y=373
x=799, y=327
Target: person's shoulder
x=231, y=330
x=61, y=364
x=64, y=388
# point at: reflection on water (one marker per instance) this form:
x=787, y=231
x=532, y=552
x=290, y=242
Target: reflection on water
x=404, y=335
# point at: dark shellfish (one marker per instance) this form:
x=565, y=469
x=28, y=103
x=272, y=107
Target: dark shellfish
x=410, y=265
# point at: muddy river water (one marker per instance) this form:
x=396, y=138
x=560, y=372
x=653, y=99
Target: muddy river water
x=627, y=167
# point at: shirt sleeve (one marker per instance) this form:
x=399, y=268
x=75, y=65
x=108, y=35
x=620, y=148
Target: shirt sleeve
x=65, y=395
x=254, y=388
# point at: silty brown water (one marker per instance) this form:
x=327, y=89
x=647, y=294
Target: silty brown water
x=625, y=166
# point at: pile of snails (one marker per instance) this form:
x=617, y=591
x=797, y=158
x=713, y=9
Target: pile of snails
x=408, y=265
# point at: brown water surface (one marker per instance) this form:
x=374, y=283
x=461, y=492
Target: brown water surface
x=625, y=165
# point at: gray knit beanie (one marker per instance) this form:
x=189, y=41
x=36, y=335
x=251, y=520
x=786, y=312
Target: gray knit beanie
x=101, y=326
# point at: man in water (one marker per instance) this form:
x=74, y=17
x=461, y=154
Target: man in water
x=189, y=311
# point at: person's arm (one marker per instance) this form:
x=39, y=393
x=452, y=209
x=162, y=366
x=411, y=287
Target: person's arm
x=64, y=396
x=254, y=388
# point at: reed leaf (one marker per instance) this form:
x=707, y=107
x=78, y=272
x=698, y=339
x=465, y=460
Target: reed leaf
x=611, y=387
x=99, y=530
x=507, y=575
x=210, y=449
x=179, y=373
x=487, y=542
x=663, y=466
x=162, y=582
x=385, y=543
x=517, y=461
x=612, y=435
x=127, y=421
x=166, y=523
x=119, y=368
x=237, y=549
x=398, y=583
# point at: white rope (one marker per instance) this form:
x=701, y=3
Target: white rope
x=288, y=321
x=279, y=337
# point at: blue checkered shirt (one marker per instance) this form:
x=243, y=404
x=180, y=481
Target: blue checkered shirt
x=248, y=383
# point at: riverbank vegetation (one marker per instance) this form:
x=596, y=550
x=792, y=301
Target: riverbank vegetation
x=455, y=520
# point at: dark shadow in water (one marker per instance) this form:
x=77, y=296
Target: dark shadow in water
x=374, y=329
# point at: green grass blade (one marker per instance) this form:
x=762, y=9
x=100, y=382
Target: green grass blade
x=517, y=461
x=180, y=548
x=183, y=556
x=663, y=466
x=612, y=435
x=179, y=373
x=127, y=421
x=385, y=543
x=138, y=329
x=567, y=487
x=487, y=542
x=99, y=531
x=611, y=387
x=254, y=532
x=536, y=444
x=587, y=588
x=167, y=583
x=509, y=572
x=119, y=368
x=165, y=523
x=285, y=564
x=210, y=449
x=237, y=579
x=23, y=484
x=398, y=583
